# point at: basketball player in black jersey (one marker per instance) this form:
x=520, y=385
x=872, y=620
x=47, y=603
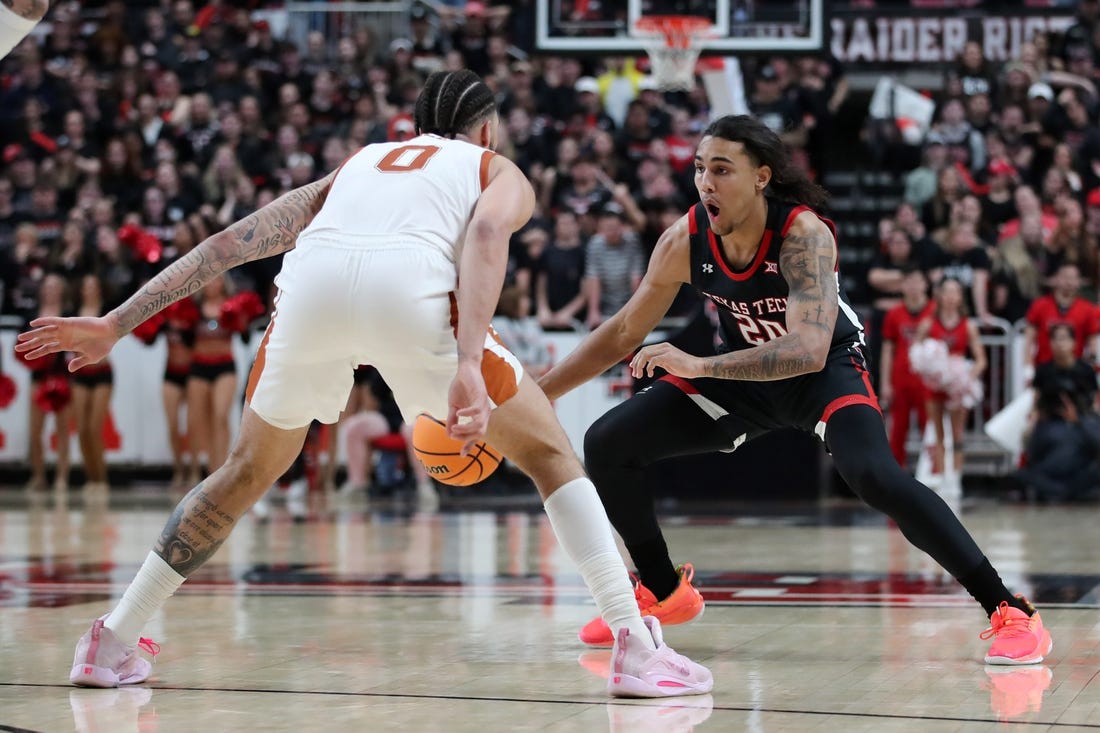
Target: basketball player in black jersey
x=791, y=356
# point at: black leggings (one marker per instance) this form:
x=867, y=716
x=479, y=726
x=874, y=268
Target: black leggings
x=665, y=423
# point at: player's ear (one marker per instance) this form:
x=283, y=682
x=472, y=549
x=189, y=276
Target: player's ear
x=487, y=133
x=763, y=177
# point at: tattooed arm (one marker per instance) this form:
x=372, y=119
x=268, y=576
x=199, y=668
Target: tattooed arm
x=268, y=232
x=807, y=262
x=265, y=233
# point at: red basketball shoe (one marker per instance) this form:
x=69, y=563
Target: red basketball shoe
x=684, y=605
x=1017, y=637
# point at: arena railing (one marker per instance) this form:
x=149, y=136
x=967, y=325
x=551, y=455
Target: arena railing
x=384, y=21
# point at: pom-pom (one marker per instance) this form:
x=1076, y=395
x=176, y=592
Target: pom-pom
x=53, y=393
x=148, y=329
x=7, y=390
x=928, y=360
x=144, y=244
x=963, y=387
x=182, y=315
x=942, y=372
x=35, y=365
x=240, y=310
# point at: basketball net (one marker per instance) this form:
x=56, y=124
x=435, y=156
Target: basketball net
x=673, y=43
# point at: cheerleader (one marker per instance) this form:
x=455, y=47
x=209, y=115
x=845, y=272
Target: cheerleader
x=212, y=380
x=92, y=386
x=948, y=323
x=50, y=392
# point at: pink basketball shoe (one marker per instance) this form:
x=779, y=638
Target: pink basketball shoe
x=102, y=660
x=638, y=672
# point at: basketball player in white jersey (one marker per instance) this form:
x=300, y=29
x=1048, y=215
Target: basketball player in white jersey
x=17, y=19
x=384, y=255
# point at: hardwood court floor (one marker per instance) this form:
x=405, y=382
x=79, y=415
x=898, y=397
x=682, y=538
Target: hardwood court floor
x=818, y=618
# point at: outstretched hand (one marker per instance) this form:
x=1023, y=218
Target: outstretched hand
x=468, y=406
x=91, y=339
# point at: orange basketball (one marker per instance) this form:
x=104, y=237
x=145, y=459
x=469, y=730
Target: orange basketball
x=441, y=457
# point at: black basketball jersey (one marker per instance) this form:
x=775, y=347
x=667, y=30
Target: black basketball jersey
x=752, y=303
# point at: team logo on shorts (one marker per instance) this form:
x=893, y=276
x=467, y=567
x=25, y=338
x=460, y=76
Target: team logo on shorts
x=771, y=267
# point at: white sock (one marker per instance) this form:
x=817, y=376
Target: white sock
x=582, y=529
x=155, y=583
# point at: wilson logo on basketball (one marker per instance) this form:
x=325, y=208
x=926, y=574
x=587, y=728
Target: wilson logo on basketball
x=442, y=456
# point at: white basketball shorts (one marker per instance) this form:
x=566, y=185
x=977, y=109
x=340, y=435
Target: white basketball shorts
x=388, y=305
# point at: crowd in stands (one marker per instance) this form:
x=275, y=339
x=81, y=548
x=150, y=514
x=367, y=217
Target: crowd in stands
x=132, y=131
x=1004, y=200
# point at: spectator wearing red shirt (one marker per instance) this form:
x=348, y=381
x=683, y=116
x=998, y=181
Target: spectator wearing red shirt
x=1062, y=306
x=903, y=392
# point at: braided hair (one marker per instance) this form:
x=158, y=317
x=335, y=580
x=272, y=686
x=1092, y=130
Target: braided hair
x=452, y=102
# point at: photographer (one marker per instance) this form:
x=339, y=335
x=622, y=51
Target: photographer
x=1064, y=446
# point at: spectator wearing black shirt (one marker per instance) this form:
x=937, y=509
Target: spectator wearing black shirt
x=885, y=278
x=1080, y=33
x=583, y=194
x=471, y=37
x=964, y=143
x=967, y=261
x=226, y=84
x=1014, y=278
x=9, y=217
x=998, y=205
x=157, y=45
x=771, y=106
x=649, y=94
x=1064, y=444
x=72, y=256
x=887, y=270
x=150, y=125
x=429, y=47
x=198, y=134
x=32, y=82
x=194, y=63
x=587, y=113
x=529, y=145
x=1019, y=143
x=979, y=112
x=75, y=137
x=936, y=211
x=976, y=75
x=1069, y=121
x=1012, y=91
x=45, y=214
x=822, y=89
x=559, y=297
x=632, y=142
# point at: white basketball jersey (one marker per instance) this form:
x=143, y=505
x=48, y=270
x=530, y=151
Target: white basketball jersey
x=421, y=190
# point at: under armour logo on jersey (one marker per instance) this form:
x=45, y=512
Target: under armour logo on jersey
x=708, y=268
x=771, y=267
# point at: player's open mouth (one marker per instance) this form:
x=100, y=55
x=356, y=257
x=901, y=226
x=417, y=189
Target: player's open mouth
x=712, y=210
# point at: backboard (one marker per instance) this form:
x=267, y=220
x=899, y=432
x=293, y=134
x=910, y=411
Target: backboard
x=605, y=26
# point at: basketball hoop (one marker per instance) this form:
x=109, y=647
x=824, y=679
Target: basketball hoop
x=673, y=43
